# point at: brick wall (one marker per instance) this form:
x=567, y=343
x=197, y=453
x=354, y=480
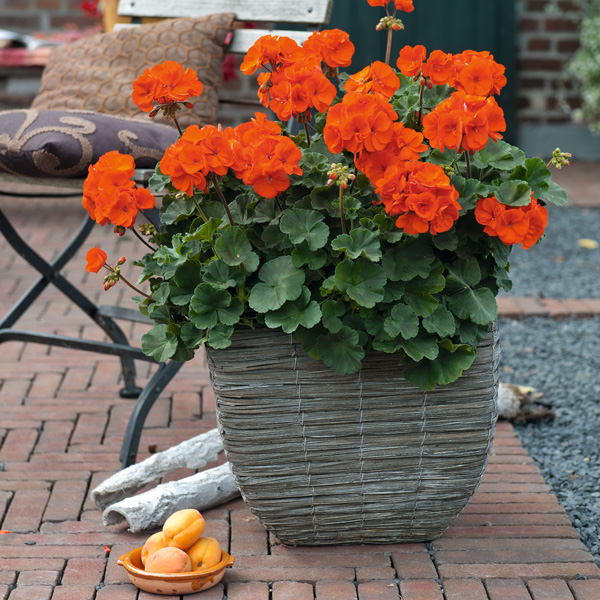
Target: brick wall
x=545, y=43
x=27, y=16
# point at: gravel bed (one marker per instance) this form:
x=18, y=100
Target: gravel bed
x=561, y=359
x=558, y=267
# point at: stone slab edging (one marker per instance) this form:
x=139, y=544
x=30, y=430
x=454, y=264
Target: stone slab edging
x=529, y=306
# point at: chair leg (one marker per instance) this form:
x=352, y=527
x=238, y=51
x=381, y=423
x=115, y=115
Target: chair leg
x=50, y=274
x=158, y=382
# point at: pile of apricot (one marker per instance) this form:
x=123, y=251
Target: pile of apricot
x=180, y=546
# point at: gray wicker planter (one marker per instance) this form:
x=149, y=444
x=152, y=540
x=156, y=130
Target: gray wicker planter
x=367, y=458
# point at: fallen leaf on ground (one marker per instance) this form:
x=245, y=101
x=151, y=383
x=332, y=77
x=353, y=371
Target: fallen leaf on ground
x=587, y=243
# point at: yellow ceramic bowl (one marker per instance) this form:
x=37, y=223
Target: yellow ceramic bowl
x=172, y=584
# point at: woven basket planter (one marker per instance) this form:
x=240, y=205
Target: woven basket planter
x=321, y=458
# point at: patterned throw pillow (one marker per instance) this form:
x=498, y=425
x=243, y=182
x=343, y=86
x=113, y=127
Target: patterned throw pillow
x=63, y=143
x=97, y=73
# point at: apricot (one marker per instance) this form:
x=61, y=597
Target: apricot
x=205, y=553
x=153, y=543
x=168, y=560
x=183, y=528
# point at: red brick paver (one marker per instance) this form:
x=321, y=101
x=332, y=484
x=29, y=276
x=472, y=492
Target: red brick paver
x=61, y=426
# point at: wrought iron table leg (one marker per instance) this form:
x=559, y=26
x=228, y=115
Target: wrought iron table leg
x=158, y=382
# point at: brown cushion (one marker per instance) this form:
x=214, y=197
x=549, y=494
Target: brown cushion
x=97, y=73
x=63, y=143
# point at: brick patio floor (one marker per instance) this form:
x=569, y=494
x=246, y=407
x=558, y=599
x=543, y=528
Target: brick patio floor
x=61, y=427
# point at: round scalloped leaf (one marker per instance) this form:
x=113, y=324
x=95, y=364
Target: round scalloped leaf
x=280, y=282
x=341, y=351
x=235, y=249
x=360, y=242
x=402, y=321
x=362, y=280
x=159, y=343
x=221, y=275
x=302, y=225
x=295, y=313
x=206, y=305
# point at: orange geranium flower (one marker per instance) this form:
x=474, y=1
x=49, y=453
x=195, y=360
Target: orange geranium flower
x=377, y=78
x=332, y=45
x=165, y=83
x=96, y=258
x=411, y=60
x=439, y=68
x=405, y=5
x=512, y=224
x=421, y=195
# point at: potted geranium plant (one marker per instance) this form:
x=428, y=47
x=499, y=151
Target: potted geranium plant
x=376, y=238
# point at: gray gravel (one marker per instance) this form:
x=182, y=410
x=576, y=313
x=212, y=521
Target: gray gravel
x=558, y=267
x=561, y=359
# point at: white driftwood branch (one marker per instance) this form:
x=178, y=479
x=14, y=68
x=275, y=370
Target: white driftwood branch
x=152, y=508
x=192, y=454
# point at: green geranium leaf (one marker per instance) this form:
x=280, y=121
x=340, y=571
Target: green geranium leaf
x=500, y=252
x=234, y=248
x=440, y=322
x=405, y=261
x=280, y=282
x=536, y=174
x=210, y=305
x=332, y=311
x=159, y=343
x=308, y=340
x=341, y=351
x=421, y=346
x=360, y=242
x=303, y=225
x=160, y=295
x=419, y=292
x=158, y=182
x=302, y=311
x=555, y=194
x=362, y=280
x=183, y=283
x=498, y=155
x=463, y=274
x=470, y=191
x=219, y=336
x=514, y=193
x=446, y=241
x=479, y=305
x=206, y=232
x=301, y=255
x=221, y=275
x=191, y=336
x=178, y=209
x=448, y=157
x=446, y=368
x=242, y=209
x=402, y=321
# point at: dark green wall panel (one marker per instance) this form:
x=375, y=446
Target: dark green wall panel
x=448, y=25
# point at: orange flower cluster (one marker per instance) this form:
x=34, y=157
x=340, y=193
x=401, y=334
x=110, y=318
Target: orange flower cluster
x=470, y=116
x=109, y=194
x=405, y=5
x=464, y=121
x=255, y=151
x=96, y=258
x=376, y=78
x=512, y=224
x=360, y=121
x=166, y=83
x=421, y=195
x=294, y=82
x=475, y=73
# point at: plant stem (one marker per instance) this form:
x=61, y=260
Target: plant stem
x=177, y=125
x=421, y=92
x=468, y=162
x=388, y=48
x=342, y=210
x=306, y=130
x=223, y=201
x=139, y=237
x=199, y=208
x=127, y=283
